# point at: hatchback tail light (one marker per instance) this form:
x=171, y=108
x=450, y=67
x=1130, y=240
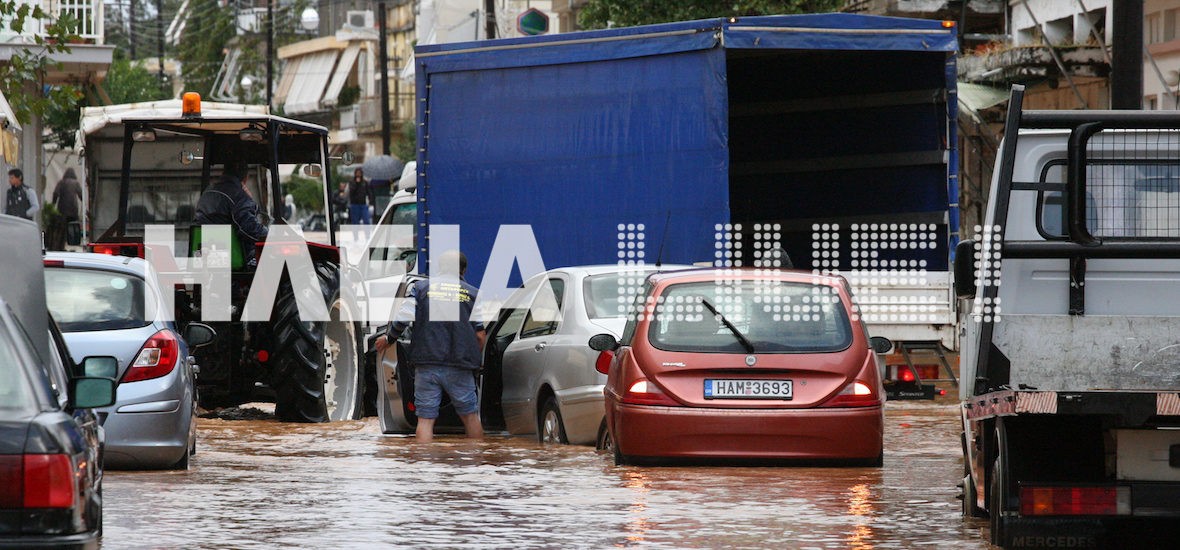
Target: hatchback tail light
x=855, y=394
x=643, y=392
x=37, y=481
x=157, y=358
x=604, y=360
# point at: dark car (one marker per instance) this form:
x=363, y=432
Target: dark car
x=50, y=439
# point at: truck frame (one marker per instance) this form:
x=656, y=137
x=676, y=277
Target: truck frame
x=1071, y=397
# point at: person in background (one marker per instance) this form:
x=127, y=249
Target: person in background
x=445, y=353
x=21, y=200
x=340, y=206
x=67, y=196
x=289, y=208
x=358, y=199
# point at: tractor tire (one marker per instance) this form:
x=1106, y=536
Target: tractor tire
x=317, y=364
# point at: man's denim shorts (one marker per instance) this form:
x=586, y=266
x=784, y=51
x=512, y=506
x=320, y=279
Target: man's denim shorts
x=430, y=382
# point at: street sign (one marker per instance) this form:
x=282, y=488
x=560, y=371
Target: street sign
x=532, y=22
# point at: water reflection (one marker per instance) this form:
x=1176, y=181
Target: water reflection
x=262, y=484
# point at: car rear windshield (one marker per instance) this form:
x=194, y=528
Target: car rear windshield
x=84, y=300
x=612, y=294
x=16, y=393
x=772, y=316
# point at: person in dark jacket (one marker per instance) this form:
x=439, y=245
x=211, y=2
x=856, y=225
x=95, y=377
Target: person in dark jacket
x=445, y=353
x=358, y=199
x=67, y=196
x=21, y=200
x=228, y=202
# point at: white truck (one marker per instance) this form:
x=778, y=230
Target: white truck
x=1070, y=357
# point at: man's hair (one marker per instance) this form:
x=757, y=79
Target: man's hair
x=16, y=172
x=235, y=169
x=448, y=259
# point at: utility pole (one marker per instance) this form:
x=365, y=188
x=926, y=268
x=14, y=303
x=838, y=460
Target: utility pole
x=383, y=62
x=1126, y=63
x=270, y=51
x=131, y=29
x=160, y=39
x=489, y=7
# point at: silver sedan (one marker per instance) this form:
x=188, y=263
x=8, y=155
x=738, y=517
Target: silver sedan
x=539, y=371
x=110, y=306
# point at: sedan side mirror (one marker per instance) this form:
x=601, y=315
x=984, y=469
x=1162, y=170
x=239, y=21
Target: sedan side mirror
x=603, y=342
x=197, y=334
x=100, y=367
x=89, y=392
x=880, y=344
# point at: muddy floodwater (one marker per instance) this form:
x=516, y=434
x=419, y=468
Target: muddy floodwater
x=258, y=483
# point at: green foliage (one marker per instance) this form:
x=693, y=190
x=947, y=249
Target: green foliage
x=29, y=65
x=210, y=26
x=307, y=192
x=405, y=143
x=349, y=95
x=131, y=82
x=598, y=14
x=61, y=116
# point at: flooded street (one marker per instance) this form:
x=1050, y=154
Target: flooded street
x=263, y=484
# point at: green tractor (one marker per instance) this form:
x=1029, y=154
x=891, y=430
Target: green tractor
x=147, y=165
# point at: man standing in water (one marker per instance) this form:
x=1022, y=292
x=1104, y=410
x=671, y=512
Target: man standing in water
x=445, y=352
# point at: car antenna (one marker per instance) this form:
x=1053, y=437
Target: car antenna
x=663, y=239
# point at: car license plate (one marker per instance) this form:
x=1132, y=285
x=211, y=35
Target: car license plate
x=748, y=389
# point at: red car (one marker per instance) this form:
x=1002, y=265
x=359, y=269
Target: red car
x=744, y=364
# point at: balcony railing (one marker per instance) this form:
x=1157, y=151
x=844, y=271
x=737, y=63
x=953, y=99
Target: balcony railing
x=89, y=14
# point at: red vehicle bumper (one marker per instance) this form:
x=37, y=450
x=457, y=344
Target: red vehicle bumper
x=803, y=434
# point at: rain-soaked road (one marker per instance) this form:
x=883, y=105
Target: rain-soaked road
x=263, y=484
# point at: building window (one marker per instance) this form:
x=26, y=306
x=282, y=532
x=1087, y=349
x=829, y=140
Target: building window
x=1151, y=103
x=1153, y=33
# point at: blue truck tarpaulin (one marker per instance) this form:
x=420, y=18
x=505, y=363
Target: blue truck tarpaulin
x=575, y=134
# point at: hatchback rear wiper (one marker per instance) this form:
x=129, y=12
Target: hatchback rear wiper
x=737, y=333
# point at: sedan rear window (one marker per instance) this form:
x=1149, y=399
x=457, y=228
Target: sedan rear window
x=770, y=316
x=612, y=294
x=84, y=300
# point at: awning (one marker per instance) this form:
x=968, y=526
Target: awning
x=10, y=135
x=310, y=80
x=974, y=98
x=343, y=69
x=288, y=78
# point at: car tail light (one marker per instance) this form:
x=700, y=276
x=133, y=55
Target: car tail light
x=157, y=358
x=604, y=360
x=49, y=481
x=1075, y=501
x=905, y=374
x=643, y=392
x=55, y=263
x=855, y=394
x=132, y=250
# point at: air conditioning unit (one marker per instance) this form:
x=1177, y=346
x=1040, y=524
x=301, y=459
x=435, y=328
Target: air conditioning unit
x=359, y=19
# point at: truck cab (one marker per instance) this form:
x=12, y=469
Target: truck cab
x=1071, y=349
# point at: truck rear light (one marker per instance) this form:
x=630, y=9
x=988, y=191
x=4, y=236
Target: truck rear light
x=855, y=394
x=1075, y=501
x=643, y=392
x=905, y=374
x=48, y=481
x=602, y=364
x=157, y=358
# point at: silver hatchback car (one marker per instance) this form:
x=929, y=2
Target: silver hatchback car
x=539, y=371
x=109, y=305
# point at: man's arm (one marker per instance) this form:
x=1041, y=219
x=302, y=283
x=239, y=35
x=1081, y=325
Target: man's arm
x=246, y=219
x=401, y=319
x=34, y=204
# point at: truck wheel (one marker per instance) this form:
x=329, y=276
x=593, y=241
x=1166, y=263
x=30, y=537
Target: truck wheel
x=316, y=376
x=550, y=429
